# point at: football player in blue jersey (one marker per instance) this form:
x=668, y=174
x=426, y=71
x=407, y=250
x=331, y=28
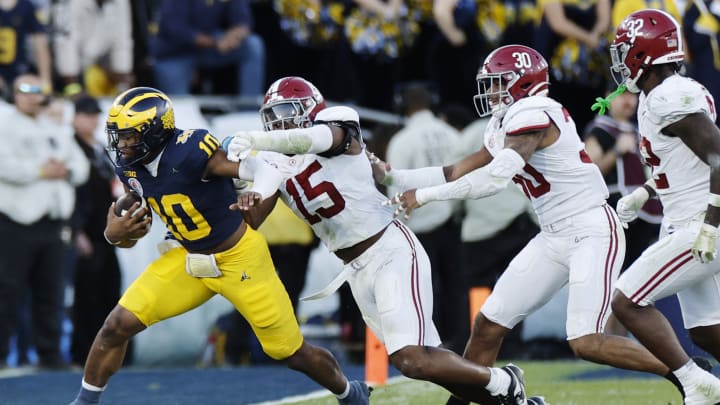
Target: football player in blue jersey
x=186, y=179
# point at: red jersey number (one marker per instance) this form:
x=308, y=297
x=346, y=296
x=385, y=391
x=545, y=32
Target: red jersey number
x=535, y=186
x=653, y=161
x=311, y=192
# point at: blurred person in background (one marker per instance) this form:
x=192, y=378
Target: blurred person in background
x=701, y=27
x=572, y=36
x=96, y=274
x=196, y=34
x=93, y=46
x=20, y=27
x=426, y=141
x=40, y=167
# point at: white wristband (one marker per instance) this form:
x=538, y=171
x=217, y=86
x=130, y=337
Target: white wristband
x=109, y=241
x=714, y=200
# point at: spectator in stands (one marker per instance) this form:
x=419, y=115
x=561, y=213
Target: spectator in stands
x=572, y=37
x=428, y=141
x=18, y=26
x=459, y=43
x=96, y=276
x=207, y=34
x=40, y=165
x=701, y=27
x=94, y=46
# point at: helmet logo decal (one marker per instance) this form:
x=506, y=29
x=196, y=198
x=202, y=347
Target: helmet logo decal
x=168, y=119
x=634, y=26
x=182, y=138
x=522, y=60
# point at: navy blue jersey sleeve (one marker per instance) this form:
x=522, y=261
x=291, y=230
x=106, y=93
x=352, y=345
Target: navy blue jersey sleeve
x=196, y=146
x=240, y=13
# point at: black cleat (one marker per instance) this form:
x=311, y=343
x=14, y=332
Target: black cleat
x=516, y=390
x=536, y=401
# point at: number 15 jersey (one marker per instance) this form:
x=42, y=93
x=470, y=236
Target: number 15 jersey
x=336, y=196
x=561, y=180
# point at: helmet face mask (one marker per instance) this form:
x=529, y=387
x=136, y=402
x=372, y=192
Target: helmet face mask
x=290, y=102
x=140, y=122
x=493, y=93
x=645, y=38
x=508, y=74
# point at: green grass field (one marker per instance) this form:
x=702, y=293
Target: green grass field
x=551, y=379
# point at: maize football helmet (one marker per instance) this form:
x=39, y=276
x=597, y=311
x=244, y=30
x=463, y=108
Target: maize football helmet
x=646, y=37
x=291, y=100
x=508, y=74
x=142, y=114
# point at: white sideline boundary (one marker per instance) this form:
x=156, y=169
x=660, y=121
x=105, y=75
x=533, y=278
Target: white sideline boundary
x=324, y=393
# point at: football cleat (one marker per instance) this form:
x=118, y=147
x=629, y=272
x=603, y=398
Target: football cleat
x=359, y=394
x=536, y=401
x=705, y=390
x=516, y=389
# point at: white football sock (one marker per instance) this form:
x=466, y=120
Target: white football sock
x=499, y=382
x=346, y=392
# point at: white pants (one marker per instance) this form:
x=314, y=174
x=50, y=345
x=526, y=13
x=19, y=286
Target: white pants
x=585, y=250
x=392, y=285
x=667, y=267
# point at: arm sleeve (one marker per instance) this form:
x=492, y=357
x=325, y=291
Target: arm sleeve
x=479, y=183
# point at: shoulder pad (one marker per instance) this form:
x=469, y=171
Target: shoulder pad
x=338, y=113
x=675, y=98
x=528, y=115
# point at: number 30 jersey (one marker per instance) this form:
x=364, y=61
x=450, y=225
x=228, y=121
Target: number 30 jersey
x=561, y=180
x=195, y=210
x=682, y=180
x=336, y=196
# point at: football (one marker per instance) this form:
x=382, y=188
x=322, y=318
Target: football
x=126, y=201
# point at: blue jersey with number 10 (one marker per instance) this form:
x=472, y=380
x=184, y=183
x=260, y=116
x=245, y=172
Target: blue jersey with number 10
x=195, y=210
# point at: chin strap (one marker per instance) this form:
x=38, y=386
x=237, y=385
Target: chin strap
x=603, y=104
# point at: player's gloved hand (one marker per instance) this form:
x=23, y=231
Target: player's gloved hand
x=405, y=201
x=237, y=146
x=628, y=206
x=705, y=247
x=380, y=169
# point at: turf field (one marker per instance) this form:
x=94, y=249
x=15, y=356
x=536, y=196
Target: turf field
x=562, y=383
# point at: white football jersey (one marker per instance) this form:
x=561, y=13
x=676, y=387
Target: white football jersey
x=336, y=196
x=682, y=180
x=561, y=180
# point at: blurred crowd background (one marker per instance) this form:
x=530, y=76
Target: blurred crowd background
x=408, y=65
